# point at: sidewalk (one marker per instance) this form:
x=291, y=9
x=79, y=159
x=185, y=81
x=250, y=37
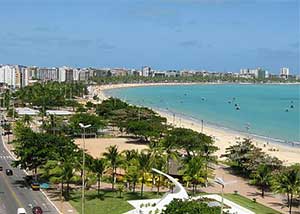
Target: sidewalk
x=64, y=206
x=236, y=183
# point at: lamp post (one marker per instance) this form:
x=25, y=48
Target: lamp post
x=83, y=165
x=221, y=182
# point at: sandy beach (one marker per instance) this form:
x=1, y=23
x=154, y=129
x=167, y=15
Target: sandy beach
x=96, y=146
x=223, y=138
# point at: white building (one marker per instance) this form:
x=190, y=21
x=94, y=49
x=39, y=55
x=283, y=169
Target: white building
x=15, y=76
x=146, y=71
x=284, y=72
x=65, y=74
x=47, y=74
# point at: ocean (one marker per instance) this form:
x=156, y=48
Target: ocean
x=271, y=111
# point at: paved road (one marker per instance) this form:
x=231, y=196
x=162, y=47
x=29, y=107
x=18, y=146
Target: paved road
x=14, y=193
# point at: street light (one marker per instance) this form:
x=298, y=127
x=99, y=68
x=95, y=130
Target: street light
x=83, y=165
x=221, y=182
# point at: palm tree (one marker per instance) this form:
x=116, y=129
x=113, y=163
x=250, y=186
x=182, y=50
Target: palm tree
x=158, y=160
x=133, y=174
x=113, y=156
x=144, y=160
x=262, y=177
x=193, y=171
x=99, y=167
x=27, y=119
x=288, y=181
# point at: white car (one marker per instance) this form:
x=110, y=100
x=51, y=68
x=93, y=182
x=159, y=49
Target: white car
x=21, y=211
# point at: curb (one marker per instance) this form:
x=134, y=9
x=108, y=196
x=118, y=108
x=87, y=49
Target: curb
x=14, y=158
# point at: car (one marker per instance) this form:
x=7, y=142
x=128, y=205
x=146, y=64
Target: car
x=9, y=172
x=1, y=168
x=35, y=185
x=21, y=211
x=37, y=210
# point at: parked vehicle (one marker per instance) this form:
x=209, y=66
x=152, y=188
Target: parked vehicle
x=1, y=168
x=35, y=186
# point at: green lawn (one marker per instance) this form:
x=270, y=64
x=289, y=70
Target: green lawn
x=111, y=204
x=249, y=204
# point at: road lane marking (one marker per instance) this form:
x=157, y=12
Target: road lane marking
x=12, y=192
x=36, y=203
x=13, y=157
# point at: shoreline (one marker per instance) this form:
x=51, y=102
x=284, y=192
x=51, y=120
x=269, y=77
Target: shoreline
x=223, y=136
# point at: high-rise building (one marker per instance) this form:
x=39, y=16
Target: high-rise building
x=69, y=75
x=284, y=73
x=146, y=71
x=261, y=73
x=15, y=76
x=46, y=74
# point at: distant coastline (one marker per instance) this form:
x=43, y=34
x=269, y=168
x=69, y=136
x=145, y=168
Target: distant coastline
x=223, y=136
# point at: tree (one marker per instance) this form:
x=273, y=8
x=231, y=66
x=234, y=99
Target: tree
x=62, y=172
x=144, y=163
x=31, y=148
x=158, y=161
x=178, y=206
x=262, y=177
x=149, y=129
x=95, y=121
x=133, y=174
x=288, y=181
x=7, y=129
x=27, y=119
x=113, y=157
x=193, y=170
x=243, y=156
x=99, y=166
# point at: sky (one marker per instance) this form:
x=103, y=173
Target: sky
x=216, y=35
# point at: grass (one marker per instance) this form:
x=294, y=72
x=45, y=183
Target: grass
x=249, y=204
x=112, y=203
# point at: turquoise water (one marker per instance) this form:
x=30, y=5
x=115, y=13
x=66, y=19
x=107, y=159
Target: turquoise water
x=263, y=108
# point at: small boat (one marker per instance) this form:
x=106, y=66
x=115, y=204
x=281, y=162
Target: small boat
x=236, y=105
x=202, y=98
x=292, y=106
x=286, y=110
x=229, y=102
x=237, y=108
